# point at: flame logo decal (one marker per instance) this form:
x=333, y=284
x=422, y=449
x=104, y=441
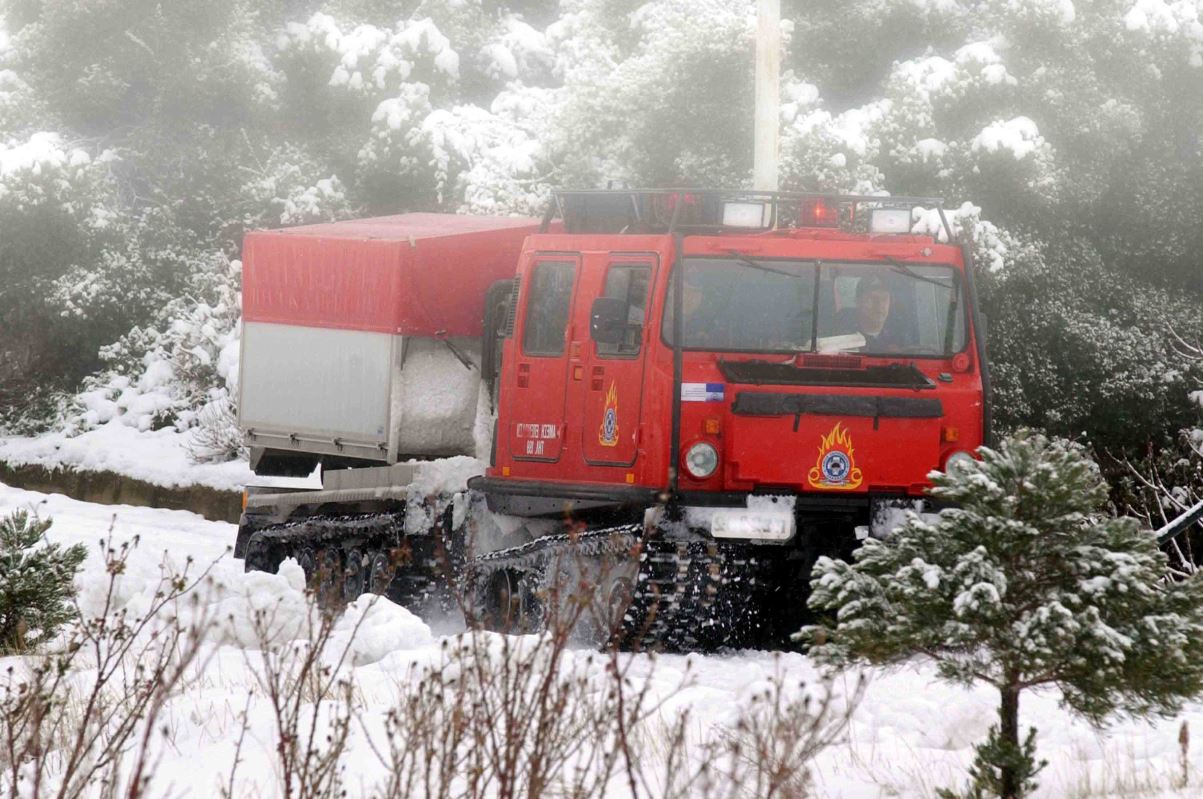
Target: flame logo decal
x=836, y=467
x=607, y=436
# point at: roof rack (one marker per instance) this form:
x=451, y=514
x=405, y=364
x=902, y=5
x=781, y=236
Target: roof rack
x=617, y=211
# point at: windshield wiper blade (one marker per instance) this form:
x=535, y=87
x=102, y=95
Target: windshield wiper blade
x=899, y=266
x=949, y=328
x=743, y=259
x=747, y=261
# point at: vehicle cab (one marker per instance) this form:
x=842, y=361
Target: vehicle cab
x=711, y=352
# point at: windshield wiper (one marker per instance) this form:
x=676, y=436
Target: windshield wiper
x=899, y=266
x=949, y=328
x=743, y=259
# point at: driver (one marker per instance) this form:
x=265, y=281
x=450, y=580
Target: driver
x=870, y=314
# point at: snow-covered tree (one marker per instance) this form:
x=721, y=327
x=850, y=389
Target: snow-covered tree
x=1025, y=582
x=36, y=582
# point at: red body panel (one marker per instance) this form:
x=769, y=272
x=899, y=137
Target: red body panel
x=569, y=395
x=413, y=274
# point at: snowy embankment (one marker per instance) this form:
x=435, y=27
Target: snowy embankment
x=159, y=457
x=909, y=734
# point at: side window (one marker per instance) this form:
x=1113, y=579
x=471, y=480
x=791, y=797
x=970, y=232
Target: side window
x=547, y=309
x=628, y=282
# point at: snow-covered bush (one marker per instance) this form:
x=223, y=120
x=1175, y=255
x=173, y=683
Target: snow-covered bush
x=1024, y=583
x=657, y=97
x=293, y=188
x=181, y=372
x=36, y=582
x=493, y=160
x=56, y=200
x=1078, y=348
x=1164, y=481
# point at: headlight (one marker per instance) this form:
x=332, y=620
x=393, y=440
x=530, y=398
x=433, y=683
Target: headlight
x=701, y=460
x=958, y=457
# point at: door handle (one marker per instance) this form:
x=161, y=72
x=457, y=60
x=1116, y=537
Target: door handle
x=597, y=378
x=523, y=375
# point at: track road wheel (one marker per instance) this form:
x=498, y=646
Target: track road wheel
x=307, y=560
x=597, y=596
x=507, y=605
x=329, y=576
x=354, y=575
x=380, y=573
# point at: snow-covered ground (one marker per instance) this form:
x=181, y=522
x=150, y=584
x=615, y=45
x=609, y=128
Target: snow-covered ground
x=159, y=457
x=909, y=735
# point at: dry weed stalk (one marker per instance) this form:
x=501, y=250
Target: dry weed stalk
x=493, y=716
x=312, y=699
x=515, y=716
x=766, y=753
x=84, y=720
x=506, y=716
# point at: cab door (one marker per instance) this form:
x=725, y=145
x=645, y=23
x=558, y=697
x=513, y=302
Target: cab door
x=541, y=365
x=613, y=372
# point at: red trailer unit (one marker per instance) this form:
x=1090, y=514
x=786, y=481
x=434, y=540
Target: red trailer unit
x=361, y=338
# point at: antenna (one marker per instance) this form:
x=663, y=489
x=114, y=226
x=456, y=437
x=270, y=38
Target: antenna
x=768, y=95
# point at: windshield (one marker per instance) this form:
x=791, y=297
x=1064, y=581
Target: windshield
x=763, y=305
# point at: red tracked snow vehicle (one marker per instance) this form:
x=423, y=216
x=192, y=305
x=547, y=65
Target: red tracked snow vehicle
x=725, y=384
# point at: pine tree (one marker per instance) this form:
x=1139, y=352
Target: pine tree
x=1024, y=583
x=36, y=582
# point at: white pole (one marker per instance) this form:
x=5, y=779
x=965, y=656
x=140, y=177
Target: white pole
x=768, y=95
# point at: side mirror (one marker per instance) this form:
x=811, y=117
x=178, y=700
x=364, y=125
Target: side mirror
x=608, y=320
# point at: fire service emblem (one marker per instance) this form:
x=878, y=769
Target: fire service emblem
x=836, y=468
x=608, y=434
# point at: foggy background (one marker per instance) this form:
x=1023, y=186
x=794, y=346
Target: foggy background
x=139, y=140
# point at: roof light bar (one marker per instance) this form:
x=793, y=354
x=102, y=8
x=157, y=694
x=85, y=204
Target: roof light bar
x=747, y=215
x=890, y=220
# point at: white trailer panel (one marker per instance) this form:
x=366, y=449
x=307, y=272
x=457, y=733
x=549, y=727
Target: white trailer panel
x=316, y=381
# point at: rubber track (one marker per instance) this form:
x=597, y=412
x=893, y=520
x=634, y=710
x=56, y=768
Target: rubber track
x=688, y=595
x=412, y=582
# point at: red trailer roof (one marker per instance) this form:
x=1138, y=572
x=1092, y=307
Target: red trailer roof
x=403, y=227
x=412, y=274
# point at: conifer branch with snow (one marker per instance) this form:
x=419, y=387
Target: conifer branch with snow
x=1023, y=583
